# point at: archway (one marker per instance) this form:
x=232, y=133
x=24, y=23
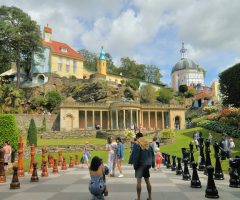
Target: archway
x=41, y=79
x=69, y=122
x=177, y=123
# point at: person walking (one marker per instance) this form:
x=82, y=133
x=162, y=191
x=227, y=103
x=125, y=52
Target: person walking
x=210, y=137
x=111, y=147
x=86, y=154
x=7, y=154
x=224, y=147
x=142, y=158
x=120, y=155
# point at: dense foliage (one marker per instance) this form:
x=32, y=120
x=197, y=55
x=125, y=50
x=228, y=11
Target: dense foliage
x=53, y=100
x=32, y=133
x=165, y=95
x=133, y=83
x=9, y=130
x=20, y=40
x=220, y=127
x=147, y=94
x=230, y=86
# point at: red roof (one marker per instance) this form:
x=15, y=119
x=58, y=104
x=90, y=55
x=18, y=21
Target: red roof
x=56, y=48
x=47, y=29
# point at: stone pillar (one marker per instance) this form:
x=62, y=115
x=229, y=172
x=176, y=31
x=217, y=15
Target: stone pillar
x=93, y=119
x=124, y=120
x=137, y=118
x=155, y=119
x=85, y=119
x=131, y=122
x=163, y=120
x=108, y=120
x=101, y=119
x=111, y=114
x=149, y=124
x=117, y=119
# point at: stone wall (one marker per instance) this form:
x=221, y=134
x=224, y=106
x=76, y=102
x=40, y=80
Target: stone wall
x=23, y=121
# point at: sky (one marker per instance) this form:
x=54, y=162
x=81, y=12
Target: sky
x=149, y=31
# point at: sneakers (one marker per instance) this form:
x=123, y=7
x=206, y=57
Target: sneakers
x=120, y=176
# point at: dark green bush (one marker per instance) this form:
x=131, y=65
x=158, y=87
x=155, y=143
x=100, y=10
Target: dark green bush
x=220, y=127
x=53, y=99
x=32, y=133
x=9, y=130
x=44, y=126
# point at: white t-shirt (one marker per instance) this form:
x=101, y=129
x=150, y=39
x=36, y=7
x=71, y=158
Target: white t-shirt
x=112, y=148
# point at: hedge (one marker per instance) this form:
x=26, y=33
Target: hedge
x=220, y=128
x=9, y=130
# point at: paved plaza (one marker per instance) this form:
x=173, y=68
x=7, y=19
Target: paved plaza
x=73, y=185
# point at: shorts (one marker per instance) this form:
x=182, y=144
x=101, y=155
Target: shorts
x=142, y=171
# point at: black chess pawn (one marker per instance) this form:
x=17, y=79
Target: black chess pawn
x=208, y=158
x=34, y=177
x=15, y=184
x=168, y=161
x=218, y=174
x=211, y=190
x=195, y=182
x=186, y=176
x=234, y=180
x=202, y=163
x=164, y=159
x=173, y=167
x=179, y=170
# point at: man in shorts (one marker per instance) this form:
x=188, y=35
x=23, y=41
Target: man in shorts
x=142, y=158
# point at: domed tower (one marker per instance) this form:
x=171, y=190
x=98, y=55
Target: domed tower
x=186, y=72
x=102, y=69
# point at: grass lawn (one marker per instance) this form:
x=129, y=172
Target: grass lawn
x=182, y=139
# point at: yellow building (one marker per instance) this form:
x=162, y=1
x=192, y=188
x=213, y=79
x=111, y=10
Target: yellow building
x=60, y=59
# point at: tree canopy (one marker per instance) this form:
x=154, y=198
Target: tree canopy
x=20, y=40
x=147, y=94
x=230, y=86
x=165, y=95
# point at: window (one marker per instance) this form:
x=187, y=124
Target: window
x=74, y=66
x=63, y=49
x=59, y=64
x=67, y=65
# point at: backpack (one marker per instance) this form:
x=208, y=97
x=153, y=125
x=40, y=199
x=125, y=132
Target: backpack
x=96, y=186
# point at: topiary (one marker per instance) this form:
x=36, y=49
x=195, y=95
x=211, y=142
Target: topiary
x=9, y=130
x=32, y=133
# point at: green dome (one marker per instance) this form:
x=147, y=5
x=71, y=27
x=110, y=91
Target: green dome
x=184, y=63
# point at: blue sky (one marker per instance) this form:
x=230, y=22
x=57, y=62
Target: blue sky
x=148, y=31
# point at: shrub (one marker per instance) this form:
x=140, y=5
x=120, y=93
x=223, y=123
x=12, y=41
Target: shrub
x=53, y=99
x=220, y=127
x=167, y=133
x=129, y=134
x=9, y=130
x=210, y=109
x=133, y=83
x=32, y=133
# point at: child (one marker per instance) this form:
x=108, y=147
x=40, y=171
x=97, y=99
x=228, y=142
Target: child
x=86, y=154
x=158, y=158
x=97, y=185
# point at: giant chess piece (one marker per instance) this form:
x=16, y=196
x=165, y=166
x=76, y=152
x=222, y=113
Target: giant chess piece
x=76, y=160
x=15, y=184
x=202, y=163
x=218, y=174
x=191, y=153
x=195, y=182
x=71, y=165
x=208, y=158
x=44, y=169
x=34, y=177
x=60, y=158
x=211, y=191
x=168, y=162
x=234, y=180
x=179, y=170
x=173, y=167
x=55, y=166
x=2, y=170
x=20, y=157
x=44, y=151
x=50, y=160
x=164, y=159
x=30, y=171
x=64, y=164
x=186, y=176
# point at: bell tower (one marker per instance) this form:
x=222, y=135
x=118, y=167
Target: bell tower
x=102, y=68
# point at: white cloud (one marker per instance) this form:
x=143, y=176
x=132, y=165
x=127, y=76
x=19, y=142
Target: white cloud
x=222, y=68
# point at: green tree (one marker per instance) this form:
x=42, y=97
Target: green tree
x=153, y=74
x=230, y=86
x=111, y=68
x=190, y=93
x=32, y=133
x=9, y=130
x=147, y=94
x=133, y=83
x=91, y=60
x=165, y=95
x=53, y=99
x=20, y=39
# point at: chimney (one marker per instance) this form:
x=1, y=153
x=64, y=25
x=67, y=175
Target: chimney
x=47, y=34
